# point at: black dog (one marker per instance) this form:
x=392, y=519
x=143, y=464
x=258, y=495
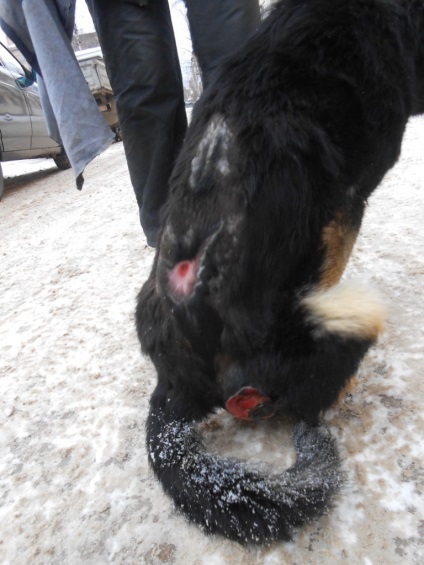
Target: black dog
x=267, y=196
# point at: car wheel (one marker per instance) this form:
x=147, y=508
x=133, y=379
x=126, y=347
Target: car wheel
x=117, y=131
x=62, y=161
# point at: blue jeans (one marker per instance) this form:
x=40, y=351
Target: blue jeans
x=139, y=49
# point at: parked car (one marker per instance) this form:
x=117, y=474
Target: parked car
x=23, y=128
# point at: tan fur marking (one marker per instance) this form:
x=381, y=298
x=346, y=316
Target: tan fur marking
x=349, y=310
x=349, y=387
x=338, y=238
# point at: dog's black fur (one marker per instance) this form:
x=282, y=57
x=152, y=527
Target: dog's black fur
x=297, y=130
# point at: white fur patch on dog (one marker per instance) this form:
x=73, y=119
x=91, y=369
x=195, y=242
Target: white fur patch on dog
x=347, y=309
x=216, y=133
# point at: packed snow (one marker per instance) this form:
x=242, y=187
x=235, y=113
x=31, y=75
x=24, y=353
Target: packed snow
x=75, y=486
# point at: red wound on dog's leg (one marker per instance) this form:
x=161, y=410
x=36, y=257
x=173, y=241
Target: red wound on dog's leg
x=183, y=277
x=183, y=268
x=250, y=404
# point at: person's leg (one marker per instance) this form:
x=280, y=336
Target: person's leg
x=218, y=28
x=139, y=49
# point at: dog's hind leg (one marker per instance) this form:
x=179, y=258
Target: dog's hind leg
x=344, y=322
x=338, y=239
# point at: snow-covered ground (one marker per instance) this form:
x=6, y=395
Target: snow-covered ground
x=75, y=487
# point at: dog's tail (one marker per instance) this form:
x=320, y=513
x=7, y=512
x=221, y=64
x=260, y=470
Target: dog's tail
x=231, y=498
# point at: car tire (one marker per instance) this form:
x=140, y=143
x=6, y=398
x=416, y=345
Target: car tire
x=62, y=161
x=117, y=131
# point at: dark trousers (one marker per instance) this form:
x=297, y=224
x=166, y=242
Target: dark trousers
x=139, y=50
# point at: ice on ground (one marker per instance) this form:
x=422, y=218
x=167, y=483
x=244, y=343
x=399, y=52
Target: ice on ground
x=75, y=487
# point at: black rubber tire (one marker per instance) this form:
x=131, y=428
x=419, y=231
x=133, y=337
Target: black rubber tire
x=117, y=131
x=62, y=161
